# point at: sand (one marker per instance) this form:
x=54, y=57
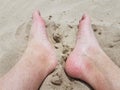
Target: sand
x=62, y=17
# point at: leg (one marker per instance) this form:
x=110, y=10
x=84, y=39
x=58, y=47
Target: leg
x=89, y=62
x=37, y=62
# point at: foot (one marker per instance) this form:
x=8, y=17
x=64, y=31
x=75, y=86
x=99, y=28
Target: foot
x=40, y=44
x=37, y=62
x=89, y=62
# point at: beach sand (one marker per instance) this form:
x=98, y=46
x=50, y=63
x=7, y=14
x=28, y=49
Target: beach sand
x=62, y=17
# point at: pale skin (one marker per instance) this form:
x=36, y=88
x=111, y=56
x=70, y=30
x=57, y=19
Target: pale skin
x=87, y=61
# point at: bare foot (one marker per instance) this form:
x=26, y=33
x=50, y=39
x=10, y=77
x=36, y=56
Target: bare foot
x=39, y=42
x=89, y=62
x=37, y=62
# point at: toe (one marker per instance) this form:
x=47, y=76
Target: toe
x=85, y=21
x=85, y=32
x=38, y=19
x=85, y=37
x=85, y=25
x=38, y=27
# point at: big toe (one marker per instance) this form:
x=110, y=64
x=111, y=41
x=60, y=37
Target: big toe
x=37, y=18
x=85, y=21
x=38, y=26
x=85, y=32
x=85, y=29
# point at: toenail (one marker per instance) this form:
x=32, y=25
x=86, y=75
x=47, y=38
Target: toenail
x=83, y=17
